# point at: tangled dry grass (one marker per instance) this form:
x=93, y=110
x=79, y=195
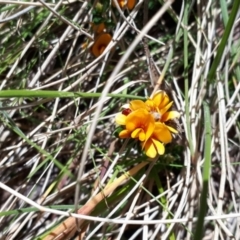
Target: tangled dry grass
x=58, y=152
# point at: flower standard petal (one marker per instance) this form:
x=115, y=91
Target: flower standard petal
x=137, y=119
x=164, y=102
x=137, y=104
x=157, y=98
x=140, y=119
x=150, y=103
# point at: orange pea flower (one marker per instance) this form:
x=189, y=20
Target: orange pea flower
x=147, y=122
x=101, y=43
x=159, y=105
x=128, y=3
x=155, y=144
x=139, y=125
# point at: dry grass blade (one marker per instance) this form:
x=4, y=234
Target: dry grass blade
x=68, y=228
x=64, y=171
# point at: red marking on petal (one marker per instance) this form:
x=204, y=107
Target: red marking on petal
x=126, y=111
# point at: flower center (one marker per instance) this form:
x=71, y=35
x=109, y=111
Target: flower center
x=157, y=116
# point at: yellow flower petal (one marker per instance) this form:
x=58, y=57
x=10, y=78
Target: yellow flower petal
x=159, y=146
x=120, y=119
x=150, y=104
x=170, y=115
x=164, y=101
x=124, y=134
x=136, y=133
x=142, y=136
x=150, y=149
x=150, y=129
x=172, y=129
x=157, y=98
x=137, y=104
x=162, y=133
x=138, y=119
x=163, y=110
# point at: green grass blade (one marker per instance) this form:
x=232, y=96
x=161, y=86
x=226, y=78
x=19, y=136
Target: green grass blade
x=186, y=73
x=206, y=174
x=224, y=40
x=60, y=94
x=224, y=11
